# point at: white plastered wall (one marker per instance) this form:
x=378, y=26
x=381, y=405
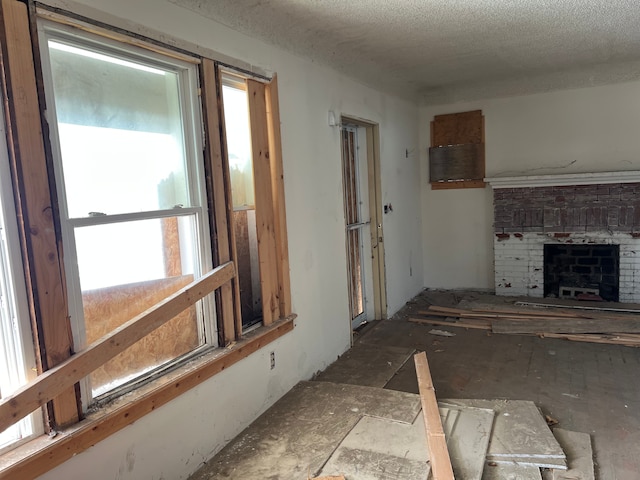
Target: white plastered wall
x=571, y=131
x=174, y=440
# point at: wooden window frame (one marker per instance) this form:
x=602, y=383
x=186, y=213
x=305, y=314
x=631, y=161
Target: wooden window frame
x=41, y=243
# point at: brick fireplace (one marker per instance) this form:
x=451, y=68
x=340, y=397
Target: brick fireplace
x=589, y=214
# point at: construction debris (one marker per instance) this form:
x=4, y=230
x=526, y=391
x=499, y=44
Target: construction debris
x=577, y=447
x=611, y=326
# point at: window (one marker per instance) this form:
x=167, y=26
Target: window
x=17, y=359
x=132, y=198
x=134, y=202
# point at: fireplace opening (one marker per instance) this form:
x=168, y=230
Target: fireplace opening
x=570, y=270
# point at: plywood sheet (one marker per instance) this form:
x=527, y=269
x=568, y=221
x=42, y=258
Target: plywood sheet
x=457, y=128
x=106, y=309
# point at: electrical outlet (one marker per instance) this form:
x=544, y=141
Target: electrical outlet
x=273, y=360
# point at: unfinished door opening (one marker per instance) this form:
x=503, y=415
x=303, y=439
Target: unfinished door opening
x=363, y=221
x=574, y=270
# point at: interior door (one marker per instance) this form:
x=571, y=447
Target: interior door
x=357, y=221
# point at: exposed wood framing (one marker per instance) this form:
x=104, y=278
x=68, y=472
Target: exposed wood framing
x=51, y=383
x=265, y=217
x=441, y=468
x=277, y=187
x=220, y=203
x=37, y=213
x=97, y=427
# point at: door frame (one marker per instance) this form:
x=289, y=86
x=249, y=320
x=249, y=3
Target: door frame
x=374, y=188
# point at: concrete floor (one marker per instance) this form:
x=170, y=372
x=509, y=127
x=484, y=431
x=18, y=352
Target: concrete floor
x=588, y=388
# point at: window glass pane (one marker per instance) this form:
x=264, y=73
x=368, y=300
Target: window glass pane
x=15, y=338
x=236, y=118
x=126, y=268
x=120, y=132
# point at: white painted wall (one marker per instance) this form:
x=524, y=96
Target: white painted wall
x=572, y=131
x=172, y=442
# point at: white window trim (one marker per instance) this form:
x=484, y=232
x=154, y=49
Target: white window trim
x=192, y=126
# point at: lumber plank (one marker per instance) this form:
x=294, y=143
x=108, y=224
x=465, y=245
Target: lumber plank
x=433, y=321
x=529, y=312
x=623, y=340
x=542, y=326
x=522, y=315
x=277, y=187
x=265, y=218
x=441, y=468
x=65, y=375
x=579, y=307
x=42, y=249
x=217, y=178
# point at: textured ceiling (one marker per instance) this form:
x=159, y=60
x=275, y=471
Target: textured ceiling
x=449, y=50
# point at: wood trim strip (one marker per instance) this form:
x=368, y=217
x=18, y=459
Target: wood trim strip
x=95, y=428
x=54, y=381
x=277, y=187
x=441, y=468
x=37, y=213
x=217, y=172
x=265, y=217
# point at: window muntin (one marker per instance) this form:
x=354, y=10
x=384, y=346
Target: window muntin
x=129, y=177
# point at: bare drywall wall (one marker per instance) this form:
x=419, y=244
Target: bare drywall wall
x=572, y=131
x=173, y=441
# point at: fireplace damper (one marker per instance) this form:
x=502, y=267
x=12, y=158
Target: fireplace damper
x=585, y=267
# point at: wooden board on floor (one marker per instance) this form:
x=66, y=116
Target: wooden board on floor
x=582, y=325
x=452, y=323
x=440, y=462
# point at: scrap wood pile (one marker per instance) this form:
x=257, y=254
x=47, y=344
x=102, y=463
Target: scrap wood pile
x=497, y=439
x=612, y=326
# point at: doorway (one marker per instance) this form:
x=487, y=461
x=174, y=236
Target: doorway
x=363, y=221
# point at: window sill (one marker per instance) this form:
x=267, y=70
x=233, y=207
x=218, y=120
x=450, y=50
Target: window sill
x=44, y=453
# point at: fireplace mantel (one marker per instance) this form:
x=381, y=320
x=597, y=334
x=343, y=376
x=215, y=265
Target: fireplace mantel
x=565, y=179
